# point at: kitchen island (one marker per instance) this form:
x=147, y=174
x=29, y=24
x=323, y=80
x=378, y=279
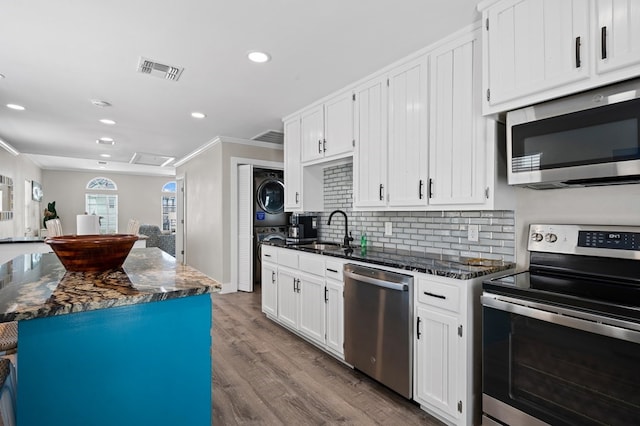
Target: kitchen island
x=128, y=347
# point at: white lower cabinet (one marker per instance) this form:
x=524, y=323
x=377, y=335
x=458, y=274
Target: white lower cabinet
x=447, y=348
x=304, y=292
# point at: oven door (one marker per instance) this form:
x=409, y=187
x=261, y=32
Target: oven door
x=544, y=364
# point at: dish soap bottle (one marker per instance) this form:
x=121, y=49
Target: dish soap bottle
x=363, y=243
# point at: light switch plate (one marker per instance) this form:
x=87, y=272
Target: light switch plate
x=472, y=232
x=388, y=229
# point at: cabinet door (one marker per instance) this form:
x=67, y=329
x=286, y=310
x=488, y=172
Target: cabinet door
x=457, y=163
x=408, y=138
x=535, y=45
x=312, y=307
x=370, y=156
x=292, y=165
x=618, y=34
x=312, y=133
x=269, y=289
x=437, y=363
x=335, y=316
x=338, y=125
x=287, y=302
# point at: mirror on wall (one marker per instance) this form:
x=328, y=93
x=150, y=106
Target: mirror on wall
x=6, y=198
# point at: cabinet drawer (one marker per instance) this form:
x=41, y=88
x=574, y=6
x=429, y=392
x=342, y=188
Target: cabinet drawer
x=442, y=295
x=288, y=258
x=333, y=270
x=269, y=253
x=311, y=264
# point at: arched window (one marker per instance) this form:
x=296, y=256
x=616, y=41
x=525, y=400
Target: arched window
x=169, y=218
x=103, y=204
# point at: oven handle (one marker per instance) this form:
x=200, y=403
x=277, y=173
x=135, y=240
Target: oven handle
x=566, y=317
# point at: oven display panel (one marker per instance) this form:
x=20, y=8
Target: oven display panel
x=609, y=240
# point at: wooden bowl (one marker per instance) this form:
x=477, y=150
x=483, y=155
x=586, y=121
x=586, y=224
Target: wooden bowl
x=92, y=253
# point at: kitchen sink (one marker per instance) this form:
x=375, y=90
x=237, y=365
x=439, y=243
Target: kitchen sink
x=321, y=246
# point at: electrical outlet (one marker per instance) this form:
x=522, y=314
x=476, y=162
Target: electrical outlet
x=472, y=232
x=388, y=229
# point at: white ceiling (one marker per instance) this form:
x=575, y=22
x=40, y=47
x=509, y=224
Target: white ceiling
x=56, y=56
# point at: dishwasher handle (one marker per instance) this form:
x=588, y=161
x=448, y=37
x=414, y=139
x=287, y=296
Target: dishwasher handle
x=376, y=281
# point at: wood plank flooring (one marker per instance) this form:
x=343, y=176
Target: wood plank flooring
x=265, y=375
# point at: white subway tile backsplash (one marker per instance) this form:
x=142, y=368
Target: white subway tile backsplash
x=438, y=232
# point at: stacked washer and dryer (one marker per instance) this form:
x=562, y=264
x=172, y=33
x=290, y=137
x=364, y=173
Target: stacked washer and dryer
x=270, y=221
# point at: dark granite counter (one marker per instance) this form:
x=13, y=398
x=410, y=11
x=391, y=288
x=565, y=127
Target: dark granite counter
x=462, y=268
x=20, y=240
x=37, y=285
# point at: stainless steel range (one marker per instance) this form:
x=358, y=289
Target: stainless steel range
x=561, y=341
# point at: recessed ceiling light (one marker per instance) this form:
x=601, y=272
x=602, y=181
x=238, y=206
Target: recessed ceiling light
x=258, y=57
x=198, y=115
x=100, y=103
x=16, y=107
x=105, y=155
x=107, y=121
x=105, y=141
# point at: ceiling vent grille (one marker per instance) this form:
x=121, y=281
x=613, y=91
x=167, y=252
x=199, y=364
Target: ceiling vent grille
x=151, y=159
x=270, y=136
x=168, y=72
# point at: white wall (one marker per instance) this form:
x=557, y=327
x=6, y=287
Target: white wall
x=139, y=197
x=607, y=205
x=207, y=203
x=20, y=169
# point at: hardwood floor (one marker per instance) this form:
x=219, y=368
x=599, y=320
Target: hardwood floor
x=265, y=375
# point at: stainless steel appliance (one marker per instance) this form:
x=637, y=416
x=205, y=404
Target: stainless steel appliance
x=592, y=138
x=303, y=228
x=269, y=199
x=266, y=233
x=561, y=341
x=378, y=325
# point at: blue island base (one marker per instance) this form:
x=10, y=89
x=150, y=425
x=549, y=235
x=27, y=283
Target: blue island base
x=145, y=364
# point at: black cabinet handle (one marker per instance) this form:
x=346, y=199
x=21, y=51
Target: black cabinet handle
x=430, y=189
x=418, y=328
x=335, y=271
x=297, y=197
x=577, y=52
x=420, y=187
x=267, y=255
x=319, y=146
x=326, y=299
x=603, y=42
x=273, y=277
x=381, y=192
x=439, y=296
x=324, y=145
x=294, y=285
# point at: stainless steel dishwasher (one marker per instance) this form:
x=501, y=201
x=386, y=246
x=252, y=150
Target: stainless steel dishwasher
x=378, y=325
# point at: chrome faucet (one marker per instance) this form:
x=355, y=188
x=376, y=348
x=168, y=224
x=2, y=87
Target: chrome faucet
x=347, y=237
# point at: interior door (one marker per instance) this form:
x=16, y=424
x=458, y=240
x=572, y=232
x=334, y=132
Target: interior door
x=180, y=203
x=245, y=227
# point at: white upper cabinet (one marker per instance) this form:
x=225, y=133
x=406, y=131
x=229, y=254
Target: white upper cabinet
x=292, y=165
x=370, y=157
x=537, y=50
x=408, y=136
x=457, y=152
x=534, y=45
x=327, y=129
x=619, y=34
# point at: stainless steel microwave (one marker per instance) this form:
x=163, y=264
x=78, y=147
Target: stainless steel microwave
x=588, y=139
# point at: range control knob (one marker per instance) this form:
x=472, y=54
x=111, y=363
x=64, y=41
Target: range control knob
x=536, y=236
x=551, y=238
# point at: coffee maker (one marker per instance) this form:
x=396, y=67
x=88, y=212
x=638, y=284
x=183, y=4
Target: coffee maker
x=303, y=229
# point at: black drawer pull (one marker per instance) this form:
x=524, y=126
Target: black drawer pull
x=267, y=255
x=578, y=62
x=335, y=271
x=439, y=296
x=603, y=42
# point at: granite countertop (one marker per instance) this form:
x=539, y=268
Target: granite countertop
x=462, y=268
x=13, y=240
x=37, y=285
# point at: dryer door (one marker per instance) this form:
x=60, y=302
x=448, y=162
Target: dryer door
x=270, y=196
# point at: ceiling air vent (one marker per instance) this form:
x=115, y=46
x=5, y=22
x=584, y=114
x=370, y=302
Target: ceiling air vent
x=270, y=136
x=151, y=159
x=168, y=72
